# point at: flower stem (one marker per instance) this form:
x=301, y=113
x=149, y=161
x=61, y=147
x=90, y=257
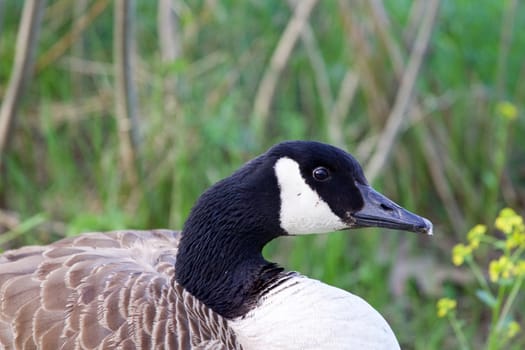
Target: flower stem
x=458, y=331
x=478, y=274
x=492, y=343
x=508, y=303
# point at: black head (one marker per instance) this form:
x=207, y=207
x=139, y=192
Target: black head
x=296, y=187
x=323, y=188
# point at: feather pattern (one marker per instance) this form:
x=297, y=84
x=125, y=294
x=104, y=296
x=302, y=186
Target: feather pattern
x=113, y=290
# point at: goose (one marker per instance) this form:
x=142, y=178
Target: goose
x=208, y=286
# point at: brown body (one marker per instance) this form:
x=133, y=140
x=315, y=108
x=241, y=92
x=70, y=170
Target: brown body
x=113, y=290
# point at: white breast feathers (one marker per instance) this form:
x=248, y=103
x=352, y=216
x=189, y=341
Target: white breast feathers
x=303, y=313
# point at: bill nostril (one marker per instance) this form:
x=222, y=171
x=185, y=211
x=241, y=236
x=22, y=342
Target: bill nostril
x=386, y=207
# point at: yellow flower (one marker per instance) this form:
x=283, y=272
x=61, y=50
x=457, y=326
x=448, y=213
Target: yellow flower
x=507, y=221
x=519, y=268
x=475, y=234
x=516, y=239
x=445, y=305
x=459, y=253
x=513, y=329
x=507, y=110
x=502, y=267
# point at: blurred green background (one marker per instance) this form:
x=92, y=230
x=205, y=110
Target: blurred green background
x=428, y=95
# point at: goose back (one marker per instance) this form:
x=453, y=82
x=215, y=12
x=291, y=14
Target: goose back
x=104, y=291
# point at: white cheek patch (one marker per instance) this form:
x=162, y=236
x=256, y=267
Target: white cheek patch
x=303, y=211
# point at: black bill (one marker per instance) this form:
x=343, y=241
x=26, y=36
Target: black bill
x=379, y=211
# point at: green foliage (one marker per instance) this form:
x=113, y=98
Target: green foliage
x=458, y=158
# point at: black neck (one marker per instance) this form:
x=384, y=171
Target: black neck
x=220, y=253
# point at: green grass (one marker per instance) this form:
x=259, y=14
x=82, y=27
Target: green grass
x=63, y=164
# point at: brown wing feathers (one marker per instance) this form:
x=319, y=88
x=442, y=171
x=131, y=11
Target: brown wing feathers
x=103, y=291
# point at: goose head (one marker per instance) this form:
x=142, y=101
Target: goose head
x=323, y=189
x=295, y=188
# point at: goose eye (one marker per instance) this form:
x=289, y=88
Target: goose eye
x=321, y=174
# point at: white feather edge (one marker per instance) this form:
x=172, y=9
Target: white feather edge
x=303, y=313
